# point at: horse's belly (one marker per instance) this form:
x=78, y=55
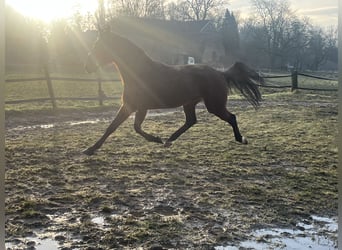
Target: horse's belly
x=155, y=98
x=178, y=95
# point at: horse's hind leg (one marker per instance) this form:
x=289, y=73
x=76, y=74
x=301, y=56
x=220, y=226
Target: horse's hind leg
x=225, y=115
x=139, y=118
x=190, y=116
x=121, y=116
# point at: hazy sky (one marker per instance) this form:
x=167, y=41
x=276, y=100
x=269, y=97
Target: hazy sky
x=48, y=10
x=320, y=12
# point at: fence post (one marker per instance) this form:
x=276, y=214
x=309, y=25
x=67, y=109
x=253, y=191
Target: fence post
x=44, y=58
x=100, y=91
x=294, y=80
x=49, y=85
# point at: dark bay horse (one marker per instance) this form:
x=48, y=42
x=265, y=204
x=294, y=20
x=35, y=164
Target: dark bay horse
x=153, y=85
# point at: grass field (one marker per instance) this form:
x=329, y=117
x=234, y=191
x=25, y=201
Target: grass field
x=206, y=190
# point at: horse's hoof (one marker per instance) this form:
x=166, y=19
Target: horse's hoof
x=244, y=140
x=167, y=144
x=88, y=151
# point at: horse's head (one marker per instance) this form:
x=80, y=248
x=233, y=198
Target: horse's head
x=111, y=47
x=100, y=54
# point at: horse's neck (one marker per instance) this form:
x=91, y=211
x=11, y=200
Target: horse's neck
x=134, y=62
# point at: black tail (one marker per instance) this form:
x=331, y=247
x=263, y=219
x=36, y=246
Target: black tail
x=241, y=77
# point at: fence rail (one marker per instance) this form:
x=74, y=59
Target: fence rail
x=102, y=97
x=294, y=81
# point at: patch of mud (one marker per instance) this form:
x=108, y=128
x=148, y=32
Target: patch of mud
x=319, y=233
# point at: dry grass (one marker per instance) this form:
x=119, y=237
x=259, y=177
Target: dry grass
x=203, y=191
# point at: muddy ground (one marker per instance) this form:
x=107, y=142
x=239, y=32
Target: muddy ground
x=204, y=191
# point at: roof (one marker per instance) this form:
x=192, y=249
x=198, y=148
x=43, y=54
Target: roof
x=181, y=37
x=172, y=26
x=158, y=37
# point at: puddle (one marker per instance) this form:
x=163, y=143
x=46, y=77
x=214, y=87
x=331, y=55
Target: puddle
x=45, y=244
x=100, y=221
x=320, y=234
x=77, y=123
x=33, y=243
x=43, y=126
x=53, y=125
x=330, y=224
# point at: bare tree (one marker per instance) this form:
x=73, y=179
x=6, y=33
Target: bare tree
x=180, y=10
x=331, y=37
x=317, y=48
x=202, y=9
x=177, y=11
x=295, y=41
x=196, y=9
x=137, y=8
x=274, y=16
x=230, y=36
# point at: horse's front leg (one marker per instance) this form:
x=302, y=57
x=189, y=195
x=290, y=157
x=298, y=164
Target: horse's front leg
x=123, y=113
x=139, y=118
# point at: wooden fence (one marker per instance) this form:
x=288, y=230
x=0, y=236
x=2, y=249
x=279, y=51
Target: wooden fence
x=53, y=99
x=294, y=81
x=294, y=84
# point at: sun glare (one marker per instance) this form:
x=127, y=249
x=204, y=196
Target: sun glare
x=51, y=10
